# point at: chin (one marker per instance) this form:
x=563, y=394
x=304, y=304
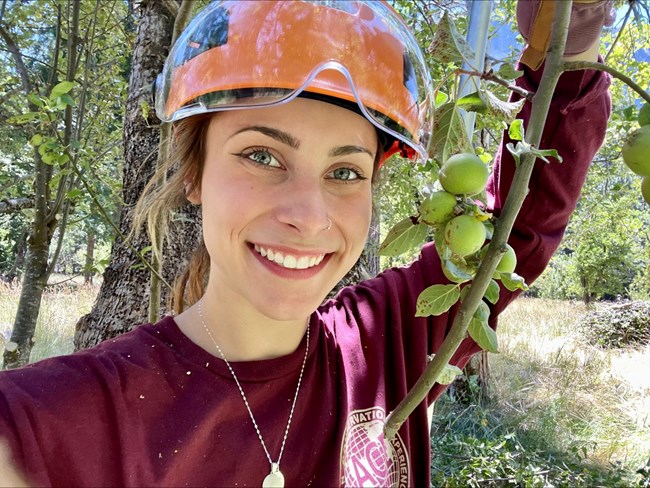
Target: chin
x=291, y=309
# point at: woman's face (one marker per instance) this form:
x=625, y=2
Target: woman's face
x=274, y=179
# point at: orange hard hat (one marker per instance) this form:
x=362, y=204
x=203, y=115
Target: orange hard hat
x=245, y=54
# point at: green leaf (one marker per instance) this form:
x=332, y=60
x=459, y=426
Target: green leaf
x=463, y=293
x=483, y=335
x=75, y=193
x=522, y=148
x=448, y=46
x=61, y=88
x=628, y=113
x=512, y=281
x=516, y=130
x=472, y=103
x=403, y=237
x=500, y=110
x=518, y=150
x=441, y=98
x=482, y=312
x=644, y=115
x=542, y=153
x=489, y=229
x=67, y=99
x=508, y=72
x=35, y=99
x=36, y=140
x=449, y=133
x=492, y=292
x=448, y=374
x=23, y=118
x=456, y=272
x=436, y=300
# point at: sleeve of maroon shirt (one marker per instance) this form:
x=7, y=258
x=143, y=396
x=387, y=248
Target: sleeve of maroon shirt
x=575, y=127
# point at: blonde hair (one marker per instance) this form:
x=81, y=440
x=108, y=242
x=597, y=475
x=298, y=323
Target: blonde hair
x=178, y=176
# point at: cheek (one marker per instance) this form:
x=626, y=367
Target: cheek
x=357, y=218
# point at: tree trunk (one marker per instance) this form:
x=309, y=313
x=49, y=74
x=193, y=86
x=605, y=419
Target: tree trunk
x=90, y=257
x=19, y=260
x=586, y=294
x=123, y=298
x=19, y=347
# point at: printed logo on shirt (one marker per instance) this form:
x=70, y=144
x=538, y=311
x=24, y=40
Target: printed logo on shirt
x=367, y=459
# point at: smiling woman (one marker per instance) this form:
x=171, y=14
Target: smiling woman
x=292, y=180
x=282, y=114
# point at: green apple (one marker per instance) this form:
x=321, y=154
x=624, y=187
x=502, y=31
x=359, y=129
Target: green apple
x=463, y=174
x=465, y=235
x=645, y=189
x=636, y=151
x=508, y=261
x=437, y=208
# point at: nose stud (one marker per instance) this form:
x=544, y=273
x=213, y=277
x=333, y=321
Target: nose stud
x=329, y=224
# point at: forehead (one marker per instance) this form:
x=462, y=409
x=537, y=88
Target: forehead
x=304, y=119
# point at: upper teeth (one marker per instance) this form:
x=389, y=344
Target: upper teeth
x=288, y=260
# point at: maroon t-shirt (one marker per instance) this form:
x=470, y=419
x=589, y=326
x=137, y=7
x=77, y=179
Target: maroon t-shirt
x=151, y=408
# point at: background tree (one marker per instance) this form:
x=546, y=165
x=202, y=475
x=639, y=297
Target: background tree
x=59, y=86
x=122, y=302
x=604, y=254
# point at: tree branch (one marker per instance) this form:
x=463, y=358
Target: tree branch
x=18, y=59
x=490, y=76
x=13, y=205
x=171, y=6
x=620, y=32
x=578, y=65
x=515, y=198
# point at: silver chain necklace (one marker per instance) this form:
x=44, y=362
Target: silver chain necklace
x=275, y=478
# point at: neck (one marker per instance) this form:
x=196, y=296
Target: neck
x=241, y=333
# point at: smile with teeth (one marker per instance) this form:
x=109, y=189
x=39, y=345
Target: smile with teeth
x=288, y=260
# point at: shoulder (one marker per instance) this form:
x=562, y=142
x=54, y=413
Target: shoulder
x=84, y=373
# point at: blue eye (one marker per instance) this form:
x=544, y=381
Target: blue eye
x=346, y=174
x=262, y=157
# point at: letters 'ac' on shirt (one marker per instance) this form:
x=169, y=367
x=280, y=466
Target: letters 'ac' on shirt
x=151, y=408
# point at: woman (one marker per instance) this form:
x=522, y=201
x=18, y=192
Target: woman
x=283, y=113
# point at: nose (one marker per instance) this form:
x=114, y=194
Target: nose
x=303, y=206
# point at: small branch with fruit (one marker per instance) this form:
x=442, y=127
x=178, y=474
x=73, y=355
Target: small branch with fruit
x=461, y=226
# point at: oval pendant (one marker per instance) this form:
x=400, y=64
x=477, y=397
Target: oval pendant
x=274, y=479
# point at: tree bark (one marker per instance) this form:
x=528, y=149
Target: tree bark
x=123, y=298
x=90, y=257
x=20, y=345
x=19, y=259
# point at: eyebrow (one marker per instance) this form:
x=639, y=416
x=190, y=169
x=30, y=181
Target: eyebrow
x=277, y=134
x=289, y=140
x=345, y=150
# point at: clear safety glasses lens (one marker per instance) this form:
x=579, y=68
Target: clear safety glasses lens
x=237, y=55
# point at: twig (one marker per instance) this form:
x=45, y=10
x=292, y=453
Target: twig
x=620, y=32
x=490, y=76
x=518, y=191
x=578, y=65
x=64, y=281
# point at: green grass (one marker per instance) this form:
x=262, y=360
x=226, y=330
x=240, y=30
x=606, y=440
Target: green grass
x=559, y=412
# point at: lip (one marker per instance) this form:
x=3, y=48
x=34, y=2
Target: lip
x=294, y=273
